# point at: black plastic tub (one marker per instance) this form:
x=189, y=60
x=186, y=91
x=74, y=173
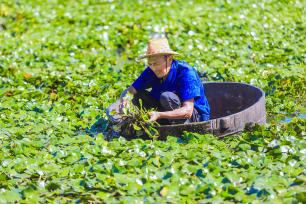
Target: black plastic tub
x=234, y=106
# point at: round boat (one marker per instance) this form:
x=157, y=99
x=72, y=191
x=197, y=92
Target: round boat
x=234, y=106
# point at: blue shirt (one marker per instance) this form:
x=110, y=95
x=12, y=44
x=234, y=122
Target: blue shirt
x=182, y=79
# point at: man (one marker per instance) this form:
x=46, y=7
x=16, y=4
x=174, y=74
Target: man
x=176, y=89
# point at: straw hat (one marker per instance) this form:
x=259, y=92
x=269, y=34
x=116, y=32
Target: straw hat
x=159, y=46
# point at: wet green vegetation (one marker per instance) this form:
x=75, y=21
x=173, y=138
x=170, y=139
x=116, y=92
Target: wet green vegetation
x=62, y=63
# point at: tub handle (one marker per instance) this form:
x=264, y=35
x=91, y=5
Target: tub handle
x=225, y=123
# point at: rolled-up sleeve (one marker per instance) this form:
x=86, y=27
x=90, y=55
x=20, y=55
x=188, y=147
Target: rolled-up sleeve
x=144, y=80
x=188, y=85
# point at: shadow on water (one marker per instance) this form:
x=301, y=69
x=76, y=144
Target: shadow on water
x=103, y=126
x=100, y=126
x=288, y=118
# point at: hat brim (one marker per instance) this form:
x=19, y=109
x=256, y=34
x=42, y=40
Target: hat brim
x=160, y=53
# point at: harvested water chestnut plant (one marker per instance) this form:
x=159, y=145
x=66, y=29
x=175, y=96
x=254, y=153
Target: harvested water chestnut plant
x=133, y=120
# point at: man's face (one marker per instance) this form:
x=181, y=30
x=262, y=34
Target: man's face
x=157, y=63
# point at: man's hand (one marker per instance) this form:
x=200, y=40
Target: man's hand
x=183, y=112
x=154, y=116
x=123, y=101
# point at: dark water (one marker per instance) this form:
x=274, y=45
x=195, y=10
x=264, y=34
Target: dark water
x=289, y=118
x=100, y=126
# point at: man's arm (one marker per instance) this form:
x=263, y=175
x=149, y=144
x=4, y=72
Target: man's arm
x=141, y=83
x=131, y=89
x=183, y=112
